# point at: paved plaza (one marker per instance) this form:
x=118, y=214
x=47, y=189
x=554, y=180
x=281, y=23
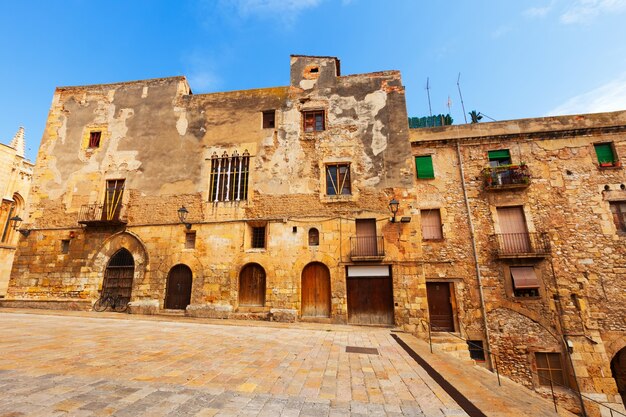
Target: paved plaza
x=88, y=365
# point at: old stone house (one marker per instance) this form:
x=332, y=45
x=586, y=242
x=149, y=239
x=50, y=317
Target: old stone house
x=15, y=177
x=524, y=244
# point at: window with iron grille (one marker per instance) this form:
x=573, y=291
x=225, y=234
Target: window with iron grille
x=269, y=117
x=338, y=179
x=229, y=177
x=190, y=240
x=549, y=368
x=618, y=210
x=258, y=237
x=94, y=139
x=314, y=121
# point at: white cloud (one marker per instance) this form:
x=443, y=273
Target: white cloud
x=584, y=11
x=608, y=97
x=282, y=9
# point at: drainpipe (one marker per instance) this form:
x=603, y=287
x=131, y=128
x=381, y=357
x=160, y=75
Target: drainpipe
x=474, y=251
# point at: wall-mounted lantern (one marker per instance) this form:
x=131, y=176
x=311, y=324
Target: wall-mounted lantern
x=182, y=216
x=16, y=221
x=393, y=207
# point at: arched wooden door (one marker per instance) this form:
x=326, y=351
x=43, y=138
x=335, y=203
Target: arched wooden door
x=178, y=293
x=252, y=285
x=118, y=276
x=315, y=290
x=618, y=368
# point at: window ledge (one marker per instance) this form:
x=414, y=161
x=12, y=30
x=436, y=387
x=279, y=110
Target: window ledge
x=517, y=298
x=610, y=168
x=256, y=250
x=434, y=240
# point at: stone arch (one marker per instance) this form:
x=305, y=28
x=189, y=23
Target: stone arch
x=109, y=248
x=315, y=291
x=252, y=285
x=508, y=305
x=618, y=370
x=118, y=275
x=15, y=208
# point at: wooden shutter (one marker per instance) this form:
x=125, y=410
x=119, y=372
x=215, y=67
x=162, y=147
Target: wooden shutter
x=524, y=277
x=366, y=237
x=499, y=154
x=604, y=152
x=424, y=165
x=431, y=224
x=515, y=237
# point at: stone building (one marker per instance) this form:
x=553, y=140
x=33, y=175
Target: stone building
x=15, y=177
x=524, y=223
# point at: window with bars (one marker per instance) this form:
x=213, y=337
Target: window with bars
x=618, y=210
x=258, y=237
x=549, y=368
x=94, y=139
x=338, y=179
x=229, y=177
x=190, y=240
x=314, y=121
x=431, y=224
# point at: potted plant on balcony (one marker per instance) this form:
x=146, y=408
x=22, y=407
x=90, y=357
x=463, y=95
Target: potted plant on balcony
x=487, y=175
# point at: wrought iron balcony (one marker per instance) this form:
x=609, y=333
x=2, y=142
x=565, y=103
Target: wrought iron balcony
x=367, y=248
x=506, y=177
x=523, y=245
x=98, y=215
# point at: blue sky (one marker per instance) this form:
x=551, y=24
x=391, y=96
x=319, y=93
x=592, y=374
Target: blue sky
x=517, y=59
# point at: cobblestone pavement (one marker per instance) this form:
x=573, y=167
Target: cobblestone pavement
x=84, y=366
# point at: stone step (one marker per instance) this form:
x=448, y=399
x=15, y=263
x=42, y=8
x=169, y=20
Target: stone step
x=171, y=312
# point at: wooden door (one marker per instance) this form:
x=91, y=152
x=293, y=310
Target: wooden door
x=366, y=237
x=440, y=306
x=370, y=300
x=118, y=276
x=178, y=293
x=113, y=200
x=515, y=237
x=252, y=285
x=315, y=290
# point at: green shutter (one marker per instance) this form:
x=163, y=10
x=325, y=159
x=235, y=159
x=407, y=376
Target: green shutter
x=424, y=165
x=604, y=151
x=499, y=154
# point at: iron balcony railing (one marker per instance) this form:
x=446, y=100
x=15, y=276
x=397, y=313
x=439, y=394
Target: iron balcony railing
x=523, y=244
x=97, y=214
x=367, y=247
x=506, y=176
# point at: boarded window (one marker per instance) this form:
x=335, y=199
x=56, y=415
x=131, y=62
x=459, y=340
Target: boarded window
x=525, y=282
x=94, y=139
x=499, y=157
x=229, y=177
x=314, y=121
x=431, y=225
x=190, y=240
x=549, y=368
x=113, y=200
x=258, y=237
x=618, y=210
x=269, y=119
x=338, y=179
x=605, y=154
x=424, y=166
x=314, y=237
x=65, y=246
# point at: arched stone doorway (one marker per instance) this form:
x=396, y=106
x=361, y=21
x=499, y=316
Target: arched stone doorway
x=178, y=292
x=252, y=285
x=618, y=368
x=315, y=290
x=118, y=275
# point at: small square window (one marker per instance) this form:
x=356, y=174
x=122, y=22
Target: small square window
x=338, y=179
x=65, y=246
x=431, y=224
x=314, y=121
x=525, y=282
x=618, y=210
x=424, y=166
x=94, y=139
x=499, y=157
x=269, y=118
x=190, y=240
x=476, y=350
x=606, y=154
x=258, y=237
x=549, y=368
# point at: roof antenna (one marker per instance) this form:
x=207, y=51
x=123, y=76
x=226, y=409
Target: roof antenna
x=428, y=92
x=458, y=84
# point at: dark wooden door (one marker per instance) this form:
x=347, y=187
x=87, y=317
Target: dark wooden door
x=366, y=237
x=118, y=276
x=440, y=306
x=370, y=300
x=315, y=290
x=252, y=285
x=113, y=200
x=178, y=293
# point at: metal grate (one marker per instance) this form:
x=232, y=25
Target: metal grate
x=358, y=349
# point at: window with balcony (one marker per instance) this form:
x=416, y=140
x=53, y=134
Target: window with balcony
x=314, y=121
x=525, y=281
x=338, y=179
x=607, y=157
x=618, y=210
x=499, y=157
x=229, y=177
x=424, y=167
x=431, y=224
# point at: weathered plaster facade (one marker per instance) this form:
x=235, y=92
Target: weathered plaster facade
x=567, y=199
x=15, y=178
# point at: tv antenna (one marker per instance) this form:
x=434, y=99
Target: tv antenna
x=430, y=109
x=458, y=84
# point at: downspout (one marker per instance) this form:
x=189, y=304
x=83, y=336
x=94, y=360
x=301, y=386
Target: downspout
x=475, y=252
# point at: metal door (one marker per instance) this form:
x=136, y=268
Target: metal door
x=315, y=290
x=440, y=306
x=178, y=293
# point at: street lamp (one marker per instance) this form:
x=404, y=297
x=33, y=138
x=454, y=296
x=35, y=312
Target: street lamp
x=182, y=216
x=16, y=221
x=393, y=207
